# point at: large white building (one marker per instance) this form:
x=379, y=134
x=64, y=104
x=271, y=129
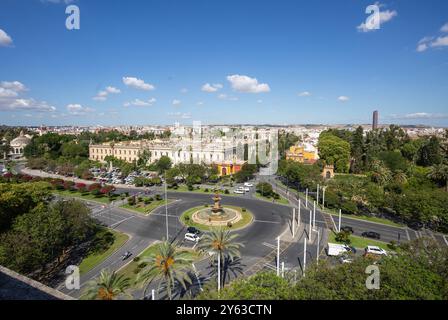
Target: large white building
x=18, y=145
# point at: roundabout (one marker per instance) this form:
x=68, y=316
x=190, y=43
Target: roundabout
x=217, y=216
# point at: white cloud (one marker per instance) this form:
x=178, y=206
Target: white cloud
x=224, y=96
x=343, y=98
x=211, y=87
x=431, y=42
x=10, y=99
x=140, y=103
x=444, y=28
x=242, y=83
x=13, y=85
x=385, y=16
x=25, y=104
x=7, y=93
x=77, y=109
x=176, y=102
x=200, y=103
x=5, y=39
x=305, y=94
x=420, y=115
x=102, y=95
x=137, y=84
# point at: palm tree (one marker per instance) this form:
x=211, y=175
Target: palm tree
x=108, y=286
x=169, y=265
x=380, y=173
x=400, y=177
x=220, y=242
x=439, y=173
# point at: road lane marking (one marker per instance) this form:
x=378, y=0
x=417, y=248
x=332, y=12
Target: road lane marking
x=407, y=234
x=121, y=221
x=271, y=246
x=265, y=221
x=444, y=238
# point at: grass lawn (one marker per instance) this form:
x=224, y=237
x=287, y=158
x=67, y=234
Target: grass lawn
x=247, y=219
x=90, y=197
x=92, y=260
x=146, y=209
x=359, y=242
x=131, y=269
x=280, y=201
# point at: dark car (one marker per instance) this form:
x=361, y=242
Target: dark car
x=193, y=230
x=126, y=255
x=347, y=229
x=371, y=234
x=416, y=225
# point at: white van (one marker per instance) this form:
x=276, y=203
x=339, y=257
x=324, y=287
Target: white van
x=335, y=249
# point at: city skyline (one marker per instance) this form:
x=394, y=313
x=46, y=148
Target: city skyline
x=156, y=63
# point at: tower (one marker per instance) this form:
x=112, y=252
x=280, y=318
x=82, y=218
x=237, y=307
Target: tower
x=375, y=120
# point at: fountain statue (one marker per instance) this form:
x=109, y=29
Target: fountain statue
x=217, y=208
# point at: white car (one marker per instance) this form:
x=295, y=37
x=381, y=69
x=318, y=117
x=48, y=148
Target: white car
x=192, y=237
x=335, y=249
x=247, y=184
x=375, y=250
x=238, y=191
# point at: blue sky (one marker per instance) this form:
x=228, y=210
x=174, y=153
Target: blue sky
x=278, y=62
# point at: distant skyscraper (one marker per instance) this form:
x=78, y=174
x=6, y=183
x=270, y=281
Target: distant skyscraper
x=375, y=120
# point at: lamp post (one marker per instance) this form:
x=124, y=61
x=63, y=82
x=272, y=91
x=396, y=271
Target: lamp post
x=323, y=197
x=339, y=225
x=219, y=271
x=317, y=248
x=278, y=256
x=166, y=209
x=304, y=256
x=314, y=215
x=317, y=196
x=306, y=198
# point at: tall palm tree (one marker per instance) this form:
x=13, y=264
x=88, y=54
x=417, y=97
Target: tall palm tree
x=439, y=173
x=380, y=173
x=169, y=265
x=108, y=286
x=220, y=242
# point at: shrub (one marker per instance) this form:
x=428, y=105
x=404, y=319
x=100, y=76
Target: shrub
x=131, y=201
x=226, y=191
x=243, y=209
x=343, y=236
x=229, y=224
x=206, y=190
x=187, y=218
x=94, y=186
x=158, y=197
x=190, y=187
x=136, y=259
x=147, y=201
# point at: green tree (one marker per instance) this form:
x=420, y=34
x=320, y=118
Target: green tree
x=169, y=265
x=335, y=151
x=163, y=164
x=108, y=286
x=220, y=242
x=439, y=173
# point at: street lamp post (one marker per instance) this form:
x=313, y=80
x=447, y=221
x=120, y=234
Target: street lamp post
x=318, y=245
x=323, y=197
x=278, y=256
x=339, y=225
x=311, y=217
x=317, y=196
x=314, y=215
x=304, y=256
x=293, y=221
x=298, y=220
x=306, y=198
x=219, y=271
x=166, y=210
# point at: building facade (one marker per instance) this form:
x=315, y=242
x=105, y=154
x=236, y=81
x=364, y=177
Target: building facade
x=302, y=154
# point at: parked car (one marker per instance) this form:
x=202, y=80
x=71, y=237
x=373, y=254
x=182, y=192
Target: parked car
x=347, y=229
x=374, y=250
x=126, y=255
x=238, y=191
x=371, y=234
x=192, y=237
x=335, y=249
x=416, y=225
x=247, y=184
x=345, y=259
x=193, y=230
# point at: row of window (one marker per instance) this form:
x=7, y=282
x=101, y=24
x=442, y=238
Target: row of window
x=156, y=154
